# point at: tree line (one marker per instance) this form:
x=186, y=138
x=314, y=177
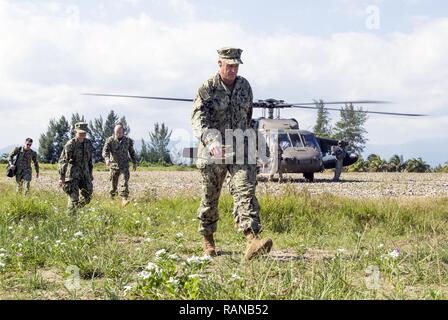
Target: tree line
x=59, y=131
x=374, y=163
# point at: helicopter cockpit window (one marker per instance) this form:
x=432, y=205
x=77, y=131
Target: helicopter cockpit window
x=284, y=142
x=310, y=141
x=296, y=141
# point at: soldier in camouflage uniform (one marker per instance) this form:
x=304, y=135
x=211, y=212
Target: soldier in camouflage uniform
x=225, y=102
x=339, y=152
x=76, y=169
x=116, y=153
x=20, y=160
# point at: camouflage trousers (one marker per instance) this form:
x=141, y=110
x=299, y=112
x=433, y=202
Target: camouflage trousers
x=114, y=178
x=79, y=192
x=23, y=178
x=242, y=183
x=338, y=169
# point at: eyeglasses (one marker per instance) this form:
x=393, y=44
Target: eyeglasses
x=29, y=144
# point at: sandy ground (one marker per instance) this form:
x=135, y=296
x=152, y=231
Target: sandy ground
x=353, y=184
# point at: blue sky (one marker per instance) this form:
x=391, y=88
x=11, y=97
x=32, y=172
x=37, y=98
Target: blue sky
x=51, y=51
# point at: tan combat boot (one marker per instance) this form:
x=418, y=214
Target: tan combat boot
x=255, y=246
x=124, y=202
x=209, y=246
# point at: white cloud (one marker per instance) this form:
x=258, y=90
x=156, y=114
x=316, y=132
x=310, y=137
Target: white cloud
x=47, y=60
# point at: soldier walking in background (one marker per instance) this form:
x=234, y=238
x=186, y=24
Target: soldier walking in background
x=116, y=152
x=339, y=152
x=76, y=169
x=225, y=102
x=20, y=160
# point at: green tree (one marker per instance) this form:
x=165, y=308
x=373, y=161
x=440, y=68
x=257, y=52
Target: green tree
x=376, y=164
x=442, y=168
x=395, y=163
x=4, y=158
x=322, y=127
x=417, y=165
x=359, y=166
x=52, y=142
x=350, y=128
x=159, y=139
x=145, y=153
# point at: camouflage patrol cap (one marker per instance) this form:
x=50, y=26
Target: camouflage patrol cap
x=230, y=55
x=81, y=127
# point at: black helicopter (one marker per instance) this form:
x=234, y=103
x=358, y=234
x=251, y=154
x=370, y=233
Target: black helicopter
x=301, y=151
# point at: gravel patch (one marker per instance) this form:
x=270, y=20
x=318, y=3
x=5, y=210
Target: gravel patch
x=188, y=183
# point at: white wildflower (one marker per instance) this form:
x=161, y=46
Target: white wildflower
x=78, y=234
x=151, y=266
x=235, y=277
x=394, y=254
x=194, y=260
x=145, y=275
x=206, y=259
x=173, y=281
x=179, y=235
x=160, y=253
x=173, y=257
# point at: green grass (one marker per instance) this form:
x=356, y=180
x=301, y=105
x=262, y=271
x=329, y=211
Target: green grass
x=331, y=241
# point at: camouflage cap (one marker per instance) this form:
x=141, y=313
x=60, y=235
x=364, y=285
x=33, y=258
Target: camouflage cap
x=81, y=127
x=230, y=55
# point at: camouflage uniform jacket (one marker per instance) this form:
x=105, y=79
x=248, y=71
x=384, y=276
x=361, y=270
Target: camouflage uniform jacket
x=338, y=152
x=24, y=160
x=76, y=161
x=219, y=108
x=118, y=151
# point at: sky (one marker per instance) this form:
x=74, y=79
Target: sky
x=298, y=51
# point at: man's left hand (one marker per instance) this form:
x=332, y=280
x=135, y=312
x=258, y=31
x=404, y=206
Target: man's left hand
x=135, y=167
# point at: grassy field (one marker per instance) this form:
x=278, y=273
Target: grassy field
x=326, y=247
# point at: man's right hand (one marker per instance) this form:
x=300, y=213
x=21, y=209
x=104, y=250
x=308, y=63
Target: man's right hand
x=108, y=163
x=61, y=183
x=215, y=149
x=13, y=167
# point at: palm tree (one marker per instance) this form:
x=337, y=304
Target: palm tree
x=417, y=165
x=359, y=166
x=395, y=163
x=376, y=164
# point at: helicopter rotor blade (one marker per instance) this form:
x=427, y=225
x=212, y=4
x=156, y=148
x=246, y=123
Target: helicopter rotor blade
x=136, y=97
x=344, y=102
x=360, y=111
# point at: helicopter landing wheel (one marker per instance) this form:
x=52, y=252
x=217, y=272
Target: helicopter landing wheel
x=309, y=177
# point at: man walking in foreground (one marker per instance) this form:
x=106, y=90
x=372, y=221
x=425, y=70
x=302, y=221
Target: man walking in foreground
x=116, y=153
x=76, y=169
x=224, y=102
x=20, y=160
